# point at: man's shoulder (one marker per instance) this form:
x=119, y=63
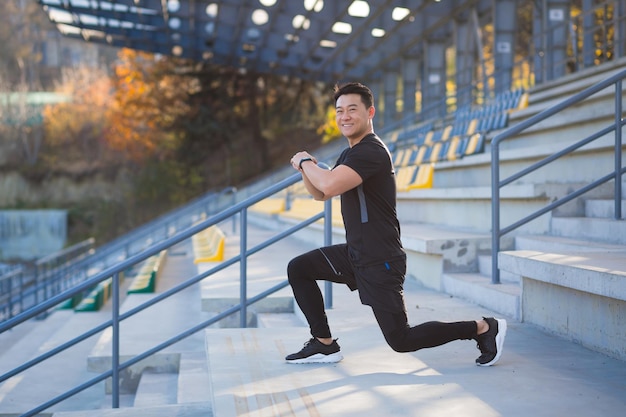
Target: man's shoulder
x=372, y=141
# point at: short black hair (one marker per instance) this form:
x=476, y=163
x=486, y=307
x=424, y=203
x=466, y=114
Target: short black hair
x=367, y=97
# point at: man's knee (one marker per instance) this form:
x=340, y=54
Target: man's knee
x=296, y=267
x=398, y=346
x=397, y=341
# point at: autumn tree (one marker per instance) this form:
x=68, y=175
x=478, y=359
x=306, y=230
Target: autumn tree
x=75, y=128
x=149, y=96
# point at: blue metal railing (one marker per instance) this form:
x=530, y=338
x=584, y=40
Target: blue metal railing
x=616, y=175
x=69, y=267
x=240, y=210
x=24, y=286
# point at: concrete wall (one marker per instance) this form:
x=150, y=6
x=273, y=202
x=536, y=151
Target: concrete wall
x=31, y=234
x=594, y=321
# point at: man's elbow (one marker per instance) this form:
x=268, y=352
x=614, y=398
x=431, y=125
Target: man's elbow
x=331, y=192
x=322, y=197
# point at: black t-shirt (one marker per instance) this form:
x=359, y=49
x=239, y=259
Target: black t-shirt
x=369, y=210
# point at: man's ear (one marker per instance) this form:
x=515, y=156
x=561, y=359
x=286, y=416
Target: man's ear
x=371, y=112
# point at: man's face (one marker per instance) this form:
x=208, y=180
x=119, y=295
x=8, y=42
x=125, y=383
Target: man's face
x=352, y=117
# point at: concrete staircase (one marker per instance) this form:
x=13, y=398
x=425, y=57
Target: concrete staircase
x=231, y=372
x=580, y=239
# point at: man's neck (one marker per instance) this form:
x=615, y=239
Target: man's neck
x=353, y=142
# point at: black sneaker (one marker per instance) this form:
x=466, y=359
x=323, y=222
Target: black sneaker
x=490, y=343
x=315, y=351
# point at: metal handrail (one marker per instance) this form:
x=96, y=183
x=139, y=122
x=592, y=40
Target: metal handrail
x=47, y=277
x=496, y=184
x=114, y=272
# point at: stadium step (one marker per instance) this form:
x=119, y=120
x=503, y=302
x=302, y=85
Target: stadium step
x=222, y=291
x=503, y=298
x=279, y=320
x=194, y=385
x=250, y=377
x=156, y=388
x=58, y=374
x=170, y=317
x=180, y=410
x=592, y=229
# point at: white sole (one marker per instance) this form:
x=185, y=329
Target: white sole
x=319, y=358
x=499, y=342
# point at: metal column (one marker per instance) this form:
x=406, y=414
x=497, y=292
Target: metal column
x=465, y=51
x=505, y=25
x=434, y=79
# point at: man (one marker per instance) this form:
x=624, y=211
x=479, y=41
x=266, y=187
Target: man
x=372, y=260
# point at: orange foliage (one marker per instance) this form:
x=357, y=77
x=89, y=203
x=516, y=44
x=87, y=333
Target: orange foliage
x=77, y=125
x=148, y=99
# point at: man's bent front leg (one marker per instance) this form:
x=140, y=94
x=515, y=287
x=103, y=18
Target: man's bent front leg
x=327, y=263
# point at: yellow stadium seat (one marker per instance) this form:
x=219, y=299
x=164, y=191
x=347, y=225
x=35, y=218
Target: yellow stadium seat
x=424, y=177
x=452, y=152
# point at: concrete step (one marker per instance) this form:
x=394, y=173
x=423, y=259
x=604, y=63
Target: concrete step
x=279, y=320
x=22, y=343
x=176, y=410
x=582, y=228
x=222, y=290
x=578, y=295
x=603, y=208
x=484, y=269
x=194, y=384
x=57, y=374
x=249, y=375
x=467, y=208
x=156, y=388
x=503, y=298
x=557, y=244
x=153, y=326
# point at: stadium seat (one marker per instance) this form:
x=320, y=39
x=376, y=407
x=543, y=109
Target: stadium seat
x=404, y=177
x=418, y=155
x=208, y=245
x=471, y=127
x=270, y=205
x=415, y=177
x=428, y=138
x=452, y=151
x=435, y=153
x=445, y=133
x=408, y=152
x=472, y=144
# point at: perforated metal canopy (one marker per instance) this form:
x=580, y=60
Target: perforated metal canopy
x=311, y=39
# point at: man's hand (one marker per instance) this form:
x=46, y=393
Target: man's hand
x=295, y=160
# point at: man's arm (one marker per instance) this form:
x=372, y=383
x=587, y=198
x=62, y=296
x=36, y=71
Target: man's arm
x=323, y=184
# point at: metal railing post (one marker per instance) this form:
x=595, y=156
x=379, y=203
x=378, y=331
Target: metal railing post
x=328, y=240
x=115, y=327
x=495, y=212
x=233, y=201
x=618, y=150
x=243, y=268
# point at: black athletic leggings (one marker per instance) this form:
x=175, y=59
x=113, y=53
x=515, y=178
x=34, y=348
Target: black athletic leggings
x=331, y=263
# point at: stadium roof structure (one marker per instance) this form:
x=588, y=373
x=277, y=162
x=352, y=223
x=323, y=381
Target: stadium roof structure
x=326, y=40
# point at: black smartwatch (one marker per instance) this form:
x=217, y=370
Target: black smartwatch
x=304, y=160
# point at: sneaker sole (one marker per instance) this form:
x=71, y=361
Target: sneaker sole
x=499, y=343
x=319, y=358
